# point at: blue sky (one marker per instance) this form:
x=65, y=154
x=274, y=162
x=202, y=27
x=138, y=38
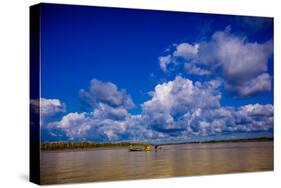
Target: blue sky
x=110, y=74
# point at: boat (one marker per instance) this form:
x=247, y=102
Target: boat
x=136, y=149
x=139, y=148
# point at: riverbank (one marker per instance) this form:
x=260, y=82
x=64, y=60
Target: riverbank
x=261, y=139
x=49, y=146
x=86, y=145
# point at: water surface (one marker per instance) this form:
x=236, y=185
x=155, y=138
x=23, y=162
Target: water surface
x=172, y=160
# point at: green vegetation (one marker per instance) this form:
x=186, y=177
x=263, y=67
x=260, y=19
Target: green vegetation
x=242, y=140
x=84, y=145
x=261, y=139
x=88, y=145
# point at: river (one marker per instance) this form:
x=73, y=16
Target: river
x=172, y=160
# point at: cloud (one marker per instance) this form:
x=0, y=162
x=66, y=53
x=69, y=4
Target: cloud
x=178, y=110
x=259, y=84
x=171, y=101
x=186, y=50
x=164, y=61
x=49, y=110
x=107, y=120
x=248, y=118
x=258, y=110
x=183, y=109
x=47, y=107
x=244, y=64
x=93, y=126
x=89, y=126
x=105, y=111
x=85, y=126
x=107, y=93
x=193, y=69
x=239, y=62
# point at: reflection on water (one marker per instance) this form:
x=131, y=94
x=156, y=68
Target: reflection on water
x=172, y=160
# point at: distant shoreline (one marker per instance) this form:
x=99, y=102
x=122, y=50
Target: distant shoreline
x=262, y=139
x=54, y=146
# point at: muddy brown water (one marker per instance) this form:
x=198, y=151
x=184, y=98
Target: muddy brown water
x=172, y=160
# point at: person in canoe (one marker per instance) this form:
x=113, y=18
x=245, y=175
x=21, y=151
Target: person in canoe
x=155, y=147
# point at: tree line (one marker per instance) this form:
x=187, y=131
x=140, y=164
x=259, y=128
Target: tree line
x=82, y=145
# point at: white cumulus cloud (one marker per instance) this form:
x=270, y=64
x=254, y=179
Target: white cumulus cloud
x=105, y=92
x=186, y=50
x=178, y=110
x=241, y=63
